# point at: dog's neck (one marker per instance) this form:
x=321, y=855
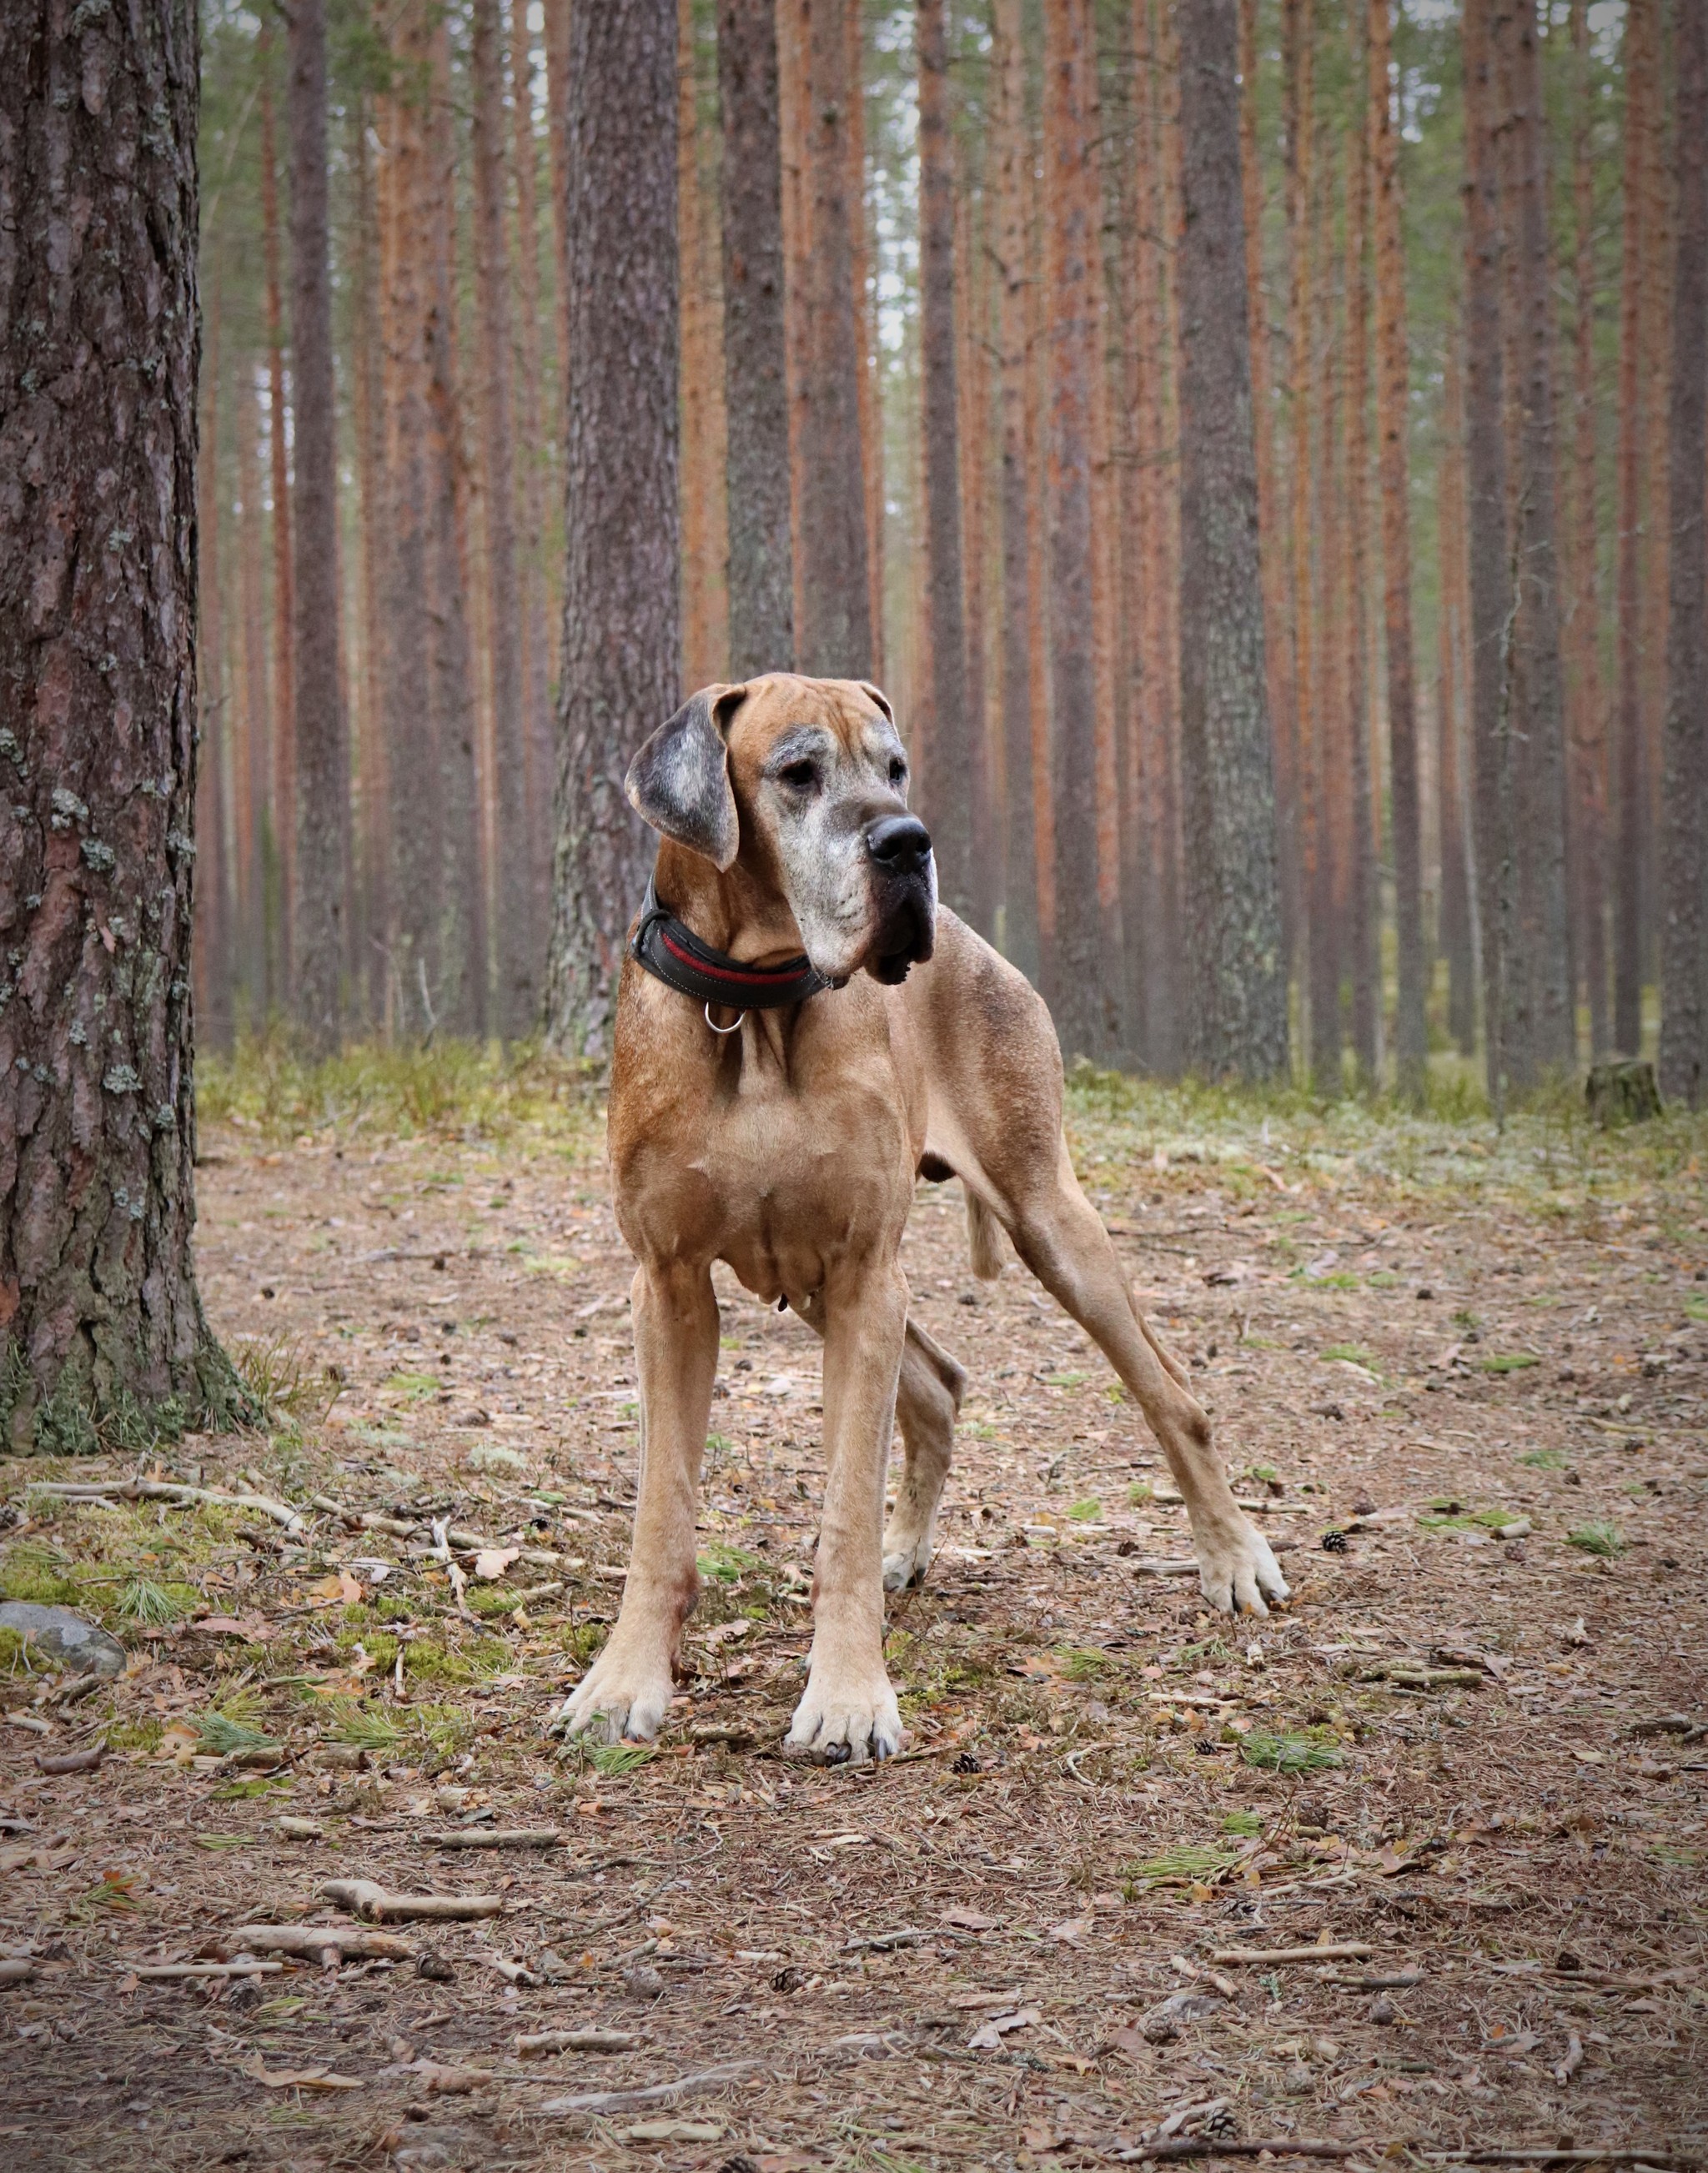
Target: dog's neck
x=739, y=913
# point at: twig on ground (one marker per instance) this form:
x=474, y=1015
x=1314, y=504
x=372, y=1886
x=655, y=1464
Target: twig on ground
x=317, y=1941
x=161, y=1970
x=363, y=1897
x=499, y=1837
x=1349, y=1950
x=580, y=2040
x=671, y=2093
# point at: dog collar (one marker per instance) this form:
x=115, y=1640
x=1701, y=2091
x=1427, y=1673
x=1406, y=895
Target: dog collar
x=673, y=954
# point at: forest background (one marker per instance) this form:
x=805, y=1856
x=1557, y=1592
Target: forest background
x=444, y=161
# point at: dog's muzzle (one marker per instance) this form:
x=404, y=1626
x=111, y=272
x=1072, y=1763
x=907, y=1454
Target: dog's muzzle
x=898, y=847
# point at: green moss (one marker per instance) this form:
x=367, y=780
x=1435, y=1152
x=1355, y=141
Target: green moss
x=428, y=1661
x=31, y=1573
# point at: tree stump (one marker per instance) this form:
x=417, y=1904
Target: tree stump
x=1622, y=1093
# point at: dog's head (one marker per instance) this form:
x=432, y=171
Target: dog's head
x=804, y=781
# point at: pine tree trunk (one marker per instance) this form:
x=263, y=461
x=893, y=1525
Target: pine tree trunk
x=1364, y=914
x=211, y=953
x=283, y=780
x=1642, y=93
x=1019, y=921
x=1542, y=1039
x=1173, y=994
x=372, y=914
x=1392, y=383
x=1453, y=517
x=1684, y=1064
x=621, y=642
x=557, y=21
x=834, y=634
x=1328, y=782
x=755, y=362
x=973, y=350
x=532, y=462
x=255, y=741
x=1037, y=568
x=318, y=821
x=1657, y=306
x=1587, y=708
x=1491, y=572
x=1074, y=986
x=1236, y=1018
x=1111, y=940
x=944, y=796
x=103, y=1343
x=866, y=330
x=1295, y=754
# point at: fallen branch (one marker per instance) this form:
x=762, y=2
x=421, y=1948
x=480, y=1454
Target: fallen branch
x=318, y=1941
x=596, y=2101
x=498, y=1838
x=1153, y=1568
x=1214, y=2146
x=1539, y=2155
x=580, y=2040
x=1349, y=1950
x=160, y=1489
x=72, y=1761
x=161, y=1970
x=362, y=1897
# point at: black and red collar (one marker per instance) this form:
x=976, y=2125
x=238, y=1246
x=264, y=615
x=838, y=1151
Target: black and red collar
x=673, y=954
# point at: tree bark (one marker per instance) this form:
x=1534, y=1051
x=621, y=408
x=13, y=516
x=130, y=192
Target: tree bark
x=283, y=780
x=557, y=20
x=834, y=634
x=255, y=739
x=534, y=447
x=103, y=1343
x=1543, y=1038
x=1296, y=754
x=518, y=993
x=1587, y=714
x=1237, y=1011
x=866, y=330
x=372, y=914
x=1393, y=380
x=1363, y=915
x=755, y=364
x=1458, y=942
x=212, y=950
x=621, y=641
x=1075, y=983
x=1019, y=922
x=945, y=799
x=1642, y=96
x=318, y=823
x=1490, y=573
x=1684, y=1016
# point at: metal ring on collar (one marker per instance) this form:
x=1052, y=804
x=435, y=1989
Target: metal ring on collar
x=739, y=1017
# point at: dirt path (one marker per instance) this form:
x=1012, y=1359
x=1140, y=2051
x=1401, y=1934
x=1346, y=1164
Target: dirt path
x=1444, y=1360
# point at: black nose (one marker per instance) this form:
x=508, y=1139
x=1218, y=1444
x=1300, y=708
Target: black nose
x=900, y=843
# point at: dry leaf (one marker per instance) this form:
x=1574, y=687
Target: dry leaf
x=986, y=2040
x=296, y=2078
x=491, y=1563
x=967, y=1920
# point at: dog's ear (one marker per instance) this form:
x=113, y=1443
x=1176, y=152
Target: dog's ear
x=679, y=781
x=878, y=696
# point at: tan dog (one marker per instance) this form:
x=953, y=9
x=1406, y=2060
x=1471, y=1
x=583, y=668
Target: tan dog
x=789, y=1149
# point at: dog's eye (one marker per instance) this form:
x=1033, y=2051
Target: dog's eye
x=897, y=771
x=801, y=775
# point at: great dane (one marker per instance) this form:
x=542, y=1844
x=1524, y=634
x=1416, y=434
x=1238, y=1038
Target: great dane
x=853, y=1035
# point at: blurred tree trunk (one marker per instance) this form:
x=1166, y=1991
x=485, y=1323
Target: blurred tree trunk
x=533, y=442
x=1586, y=696
x=755, y=363
x=621, y=641
x=103, y=1343
x=834, y=634
x=1328, y=778
x=973, y=352
x=705, y=529
x=253, y=764
x=1453, y=518
x=1490, y=573
x=557, y=21
x=866, y=329
x=793, y=109
x=211, y=953
x=1641, y=61
x=1174, y=992
x=1037, y=564
x=1364, y=914
x=1237, y=1011
x=1111, y=945
x=945, y=795
x=1296, y=751
x=1683, y=1019
x=372, y=912
x=517, y=991
x=1019, y=925
x=283, y=780
x=1393, y=400
x=1075, y=983
x=1542, y=1037
x=317, y=835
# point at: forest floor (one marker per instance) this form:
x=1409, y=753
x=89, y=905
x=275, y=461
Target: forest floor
x=1475, y=1365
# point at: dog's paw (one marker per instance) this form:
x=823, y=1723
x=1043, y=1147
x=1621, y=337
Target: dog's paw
x=614, y=1699
x=906, y=1558
x=1237, y=1570
x=847, y=1721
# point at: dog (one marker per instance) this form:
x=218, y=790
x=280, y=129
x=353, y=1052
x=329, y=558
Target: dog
x=786, y=1139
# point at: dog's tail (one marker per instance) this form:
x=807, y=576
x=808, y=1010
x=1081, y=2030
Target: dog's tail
x=984, y=1238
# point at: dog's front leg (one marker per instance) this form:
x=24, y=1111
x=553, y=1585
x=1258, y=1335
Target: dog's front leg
x=627, y=1690
x=849, y=1710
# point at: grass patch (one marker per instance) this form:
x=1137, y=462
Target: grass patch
x=1543, y=1460
x=1289, y=1754
x=1599, y=1536
x=1193, y=1863
x=1084, y=1664
x=37, y=1573
x=144, y=1601
x=1088, y=1512
x=222, y=1735
x=616, y=1759
x=285, y=1382
x=1249, y=1824
x=361, y=1727
x=1352, y=1354
x=727, y=1565
x=1510, y=1361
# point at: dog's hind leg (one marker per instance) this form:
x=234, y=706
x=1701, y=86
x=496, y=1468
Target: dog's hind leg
x=627, y=1690
x=926, y=1401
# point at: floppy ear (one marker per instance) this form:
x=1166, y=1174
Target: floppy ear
x=879, y=697
x=679, y=781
